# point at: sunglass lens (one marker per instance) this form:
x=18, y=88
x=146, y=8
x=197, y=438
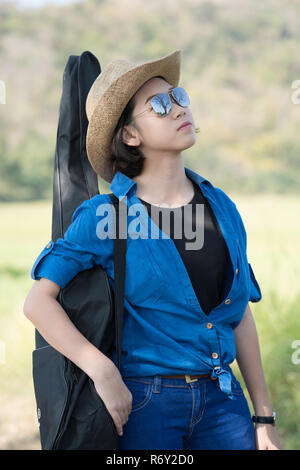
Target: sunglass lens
x=161, y=104
x=181, y=96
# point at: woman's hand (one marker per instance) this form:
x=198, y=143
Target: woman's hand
x=266, y=437
x=114, y=393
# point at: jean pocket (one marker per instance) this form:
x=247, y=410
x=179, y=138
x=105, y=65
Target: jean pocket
x=141, y=393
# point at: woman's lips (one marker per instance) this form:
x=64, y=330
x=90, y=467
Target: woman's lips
x=185, y=127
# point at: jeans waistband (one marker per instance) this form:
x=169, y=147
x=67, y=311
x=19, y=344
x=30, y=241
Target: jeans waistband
x=163, y=381
x=223, y=375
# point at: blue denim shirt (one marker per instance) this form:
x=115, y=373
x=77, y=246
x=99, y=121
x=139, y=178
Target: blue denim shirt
x=165, y=330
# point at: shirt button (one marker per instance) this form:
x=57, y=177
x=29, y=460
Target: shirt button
x=214, y=355
x=209, y=325
x=227, y=301
x=236, y=271
x=48, y=246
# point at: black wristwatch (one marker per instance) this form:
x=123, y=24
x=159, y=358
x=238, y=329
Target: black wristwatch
x=265, y=419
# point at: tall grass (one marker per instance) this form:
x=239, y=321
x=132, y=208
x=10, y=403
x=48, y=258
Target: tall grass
x=273, y=231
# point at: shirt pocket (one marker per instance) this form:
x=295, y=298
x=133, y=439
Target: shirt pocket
x=144, y=281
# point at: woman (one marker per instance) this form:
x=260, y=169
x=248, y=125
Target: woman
x=186, y=304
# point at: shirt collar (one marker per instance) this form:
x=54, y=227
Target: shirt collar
x=121, y=184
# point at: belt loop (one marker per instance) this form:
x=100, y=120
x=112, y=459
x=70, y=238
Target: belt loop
x=157, y=384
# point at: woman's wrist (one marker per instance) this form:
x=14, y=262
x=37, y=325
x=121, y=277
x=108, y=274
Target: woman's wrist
x=263, y=410
x=93, y=361
x=101, y=367
x=264, y=420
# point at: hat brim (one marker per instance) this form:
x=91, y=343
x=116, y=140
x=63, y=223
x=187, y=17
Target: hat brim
x=113, y=102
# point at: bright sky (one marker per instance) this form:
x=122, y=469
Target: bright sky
x=39, y=3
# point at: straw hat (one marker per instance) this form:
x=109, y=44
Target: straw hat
x=108, y=97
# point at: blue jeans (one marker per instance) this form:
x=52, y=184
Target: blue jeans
x=169, y=414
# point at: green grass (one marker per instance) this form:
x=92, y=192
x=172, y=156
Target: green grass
x=273, y=233
x=273, y=230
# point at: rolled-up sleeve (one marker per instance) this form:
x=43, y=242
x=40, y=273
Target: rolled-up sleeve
x=62, y=260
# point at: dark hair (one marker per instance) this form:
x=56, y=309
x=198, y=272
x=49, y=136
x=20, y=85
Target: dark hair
x=126, y=158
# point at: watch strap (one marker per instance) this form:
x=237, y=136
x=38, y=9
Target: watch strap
x=264, y=419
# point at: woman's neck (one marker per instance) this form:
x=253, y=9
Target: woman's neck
x=168, y=187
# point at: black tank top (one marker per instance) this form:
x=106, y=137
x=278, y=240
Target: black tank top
x=206, y=266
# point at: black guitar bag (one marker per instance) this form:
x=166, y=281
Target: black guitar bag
x=71, y=413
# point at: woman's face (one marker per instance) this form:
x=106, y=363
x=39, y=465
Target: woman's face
x=158, y=136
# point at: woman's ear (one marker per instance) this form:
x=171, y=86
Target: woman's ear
x=130, y=136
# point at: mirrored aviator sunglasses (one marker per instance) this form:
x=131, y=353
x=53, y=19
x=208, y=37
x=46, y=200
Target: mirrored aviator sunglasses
x=162, y=104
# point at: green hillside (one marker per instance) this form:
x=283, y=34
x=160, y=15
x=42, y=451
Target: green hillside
x=239, y=62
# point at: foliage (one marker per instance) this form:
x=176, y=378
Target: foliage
x=273, y=251
x=238, y=66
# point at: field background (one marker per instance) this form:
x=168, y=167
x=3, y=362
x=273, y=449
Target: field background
x=240, y=62
x=273, y=250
